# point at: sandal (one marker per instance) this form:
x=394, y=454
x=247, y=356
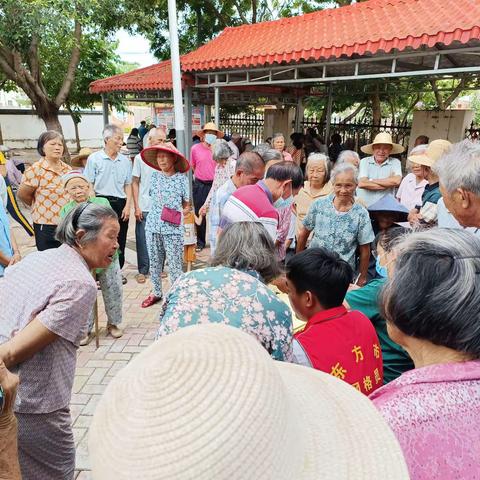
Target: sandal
x=151, y=300
x=140, y=278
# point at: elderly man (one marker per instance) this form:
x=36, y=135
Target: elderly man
x=203, y=166
x=141, y=176
x=379, y=174
x=110, y=173
x=249, y=169
x=459, y=173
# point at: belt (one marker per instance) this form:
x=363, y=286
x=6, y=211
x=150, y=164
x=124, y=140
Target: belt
x=112, y=199
x=204, y=182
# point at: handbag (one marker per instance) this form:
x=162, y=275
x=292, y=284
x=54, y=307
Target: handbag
x=171, y=216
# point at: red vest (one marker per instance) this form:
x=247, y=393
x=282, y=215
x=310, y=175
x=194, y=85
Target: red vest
x=344, y=344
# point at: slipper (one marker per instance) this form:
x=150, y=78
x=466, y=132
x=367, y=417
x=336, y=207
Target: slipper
x=150, y=300
x=140, y=278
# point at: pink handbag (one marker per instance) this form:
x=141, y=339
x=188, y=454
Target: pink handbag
x=171, y=216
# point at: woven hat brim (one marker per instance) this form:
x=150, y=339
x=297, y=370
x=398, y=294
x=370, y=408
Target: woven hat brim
x=352, y=440
x=396, y=148
x=149, y=156
x=422, y=160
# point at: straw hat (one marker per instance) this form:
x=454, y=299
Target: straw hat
x=382, y=137
x=434, y=151
x=212, y=126
x=149, y=156
x=76, y=160
x=208, y=402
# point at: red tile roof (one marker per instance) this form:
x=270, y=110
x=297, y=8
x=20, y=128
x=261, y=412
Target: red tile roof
x=362, y=28
x=154, y=77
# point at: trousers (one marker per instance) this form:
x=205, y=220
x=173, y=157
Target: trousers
x=142, y=252
x=200, y=193
x=45, y=236
x=161, y=246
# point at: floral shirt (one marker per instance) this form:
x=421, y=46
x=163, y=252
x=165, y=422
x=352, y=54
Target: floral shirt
x=434, y=413
x=340, y=232
x=222, y=175
x=233, y=297
x=167, y=191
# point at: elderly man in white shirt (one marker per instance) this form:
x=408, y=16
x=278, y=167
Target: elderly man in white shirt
x=379, y=174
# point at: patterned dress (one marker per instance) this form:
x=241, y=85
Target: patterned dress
x=340, y=232
x=434, y=413
x=233, y=297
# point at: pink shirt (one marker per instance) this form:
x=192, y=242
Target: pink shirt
x=202, y=162
x=410, y=192
x=434, y=414
x=287, y=157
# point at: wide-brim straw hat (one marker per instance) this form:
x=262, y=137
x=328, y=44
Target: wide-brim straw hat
x=385, y=138
x=389, y=204
x=208, y=402
x=435, y=150
x=211, y=126
x=149, y=156
x=76, y=161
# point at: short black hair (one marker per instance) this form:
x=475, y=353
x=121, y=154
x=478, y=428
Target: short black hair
x=46, y=137
x=422, y=139
x=321, y=272
x=286, y=171
x=134, y=132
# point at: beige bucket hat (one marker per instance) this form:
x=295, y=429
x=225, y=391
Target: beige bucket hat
x=382, y=137
x=208, y=402
x=84, y=153
x=435, y=150
x=211, y=126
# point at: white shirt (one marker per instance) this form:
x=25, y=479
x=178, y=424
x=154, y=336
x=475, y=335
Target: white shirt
x=144, y=173
x=410, y=192
x=3, y=192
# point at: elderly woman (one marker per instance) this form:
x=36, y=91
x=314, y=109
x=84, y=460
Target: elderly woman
x=318, y=174
x=339, y=223
x=278, y=143
x=40, y=333
x=349, y=156
x=233, y=291
x=411, y=189
x=434, y=409
x=42, y=189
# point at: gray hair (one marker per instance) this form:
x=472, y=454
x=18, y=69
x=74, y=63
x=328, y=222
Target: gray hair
x=434, y=293
x=110, y=130
x=247, y=246
x=419, y=149
x=278, y=135
x=156, y=131
x=221, y=150
x=272, y=154
x=313, y=157
x=261, y=148
x=460, y=167
x=344, y=154
x=87, y=216
x=249, y=161
x=344, y=168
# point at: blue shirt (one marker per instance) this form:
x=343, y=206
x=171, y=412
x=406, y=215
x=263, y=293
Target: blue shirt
x=231, y=297
x=108, y=176
x=166, y=191
x=5, y=241
x=372, y=170
x=340, y=232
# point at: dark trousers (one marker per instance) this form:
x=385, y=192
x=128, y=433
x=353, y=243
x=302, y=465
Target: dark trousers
x=201, y=190
x=45, y=236
x=14, y=210
x=118, y=204
x=142, y=252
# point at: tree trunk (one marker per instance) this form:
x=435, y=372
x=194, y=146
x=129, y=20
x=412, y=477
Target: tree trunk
x=75, y=120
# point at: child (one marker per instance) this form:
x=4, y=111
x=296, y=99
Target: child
x=78, y=187
x=164, y=228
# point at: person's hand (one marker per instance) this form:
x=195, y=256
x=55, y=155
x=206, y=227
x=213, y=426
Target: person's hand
x=281, y=283
x=126, y=213
x=15, y=258
x=414, y=217
x=361, y=281
x=203, y=211
x=138, y=214
x=9, y=383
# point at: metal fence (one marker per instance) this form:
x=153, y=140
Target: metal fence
x=247, y=125
x=473, y=133
x=356, y=133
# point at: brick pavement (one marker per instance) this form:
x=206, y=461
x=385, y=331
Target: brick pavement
x=96, y=367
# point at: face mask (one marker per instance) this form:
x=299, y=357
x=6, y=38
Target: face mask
x=210, y=138
x=283, y=202
x=382, y=271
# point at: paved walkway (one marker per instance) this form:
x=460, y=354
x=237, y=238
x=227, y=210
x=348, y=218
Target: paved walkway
x=96, y=367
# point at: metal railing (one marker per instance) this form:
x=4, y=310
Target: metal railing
x=247, y=125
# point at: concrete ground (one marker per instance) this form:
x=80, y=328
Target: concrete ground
x=96, y=367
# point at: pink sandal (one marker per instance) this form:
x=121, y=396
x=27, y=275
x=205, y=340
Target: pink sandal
x=150, y=300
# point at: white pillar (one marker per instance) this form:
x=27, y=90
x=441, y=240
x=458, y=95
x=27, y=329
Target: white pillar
x=176, y=76
x=105, y=109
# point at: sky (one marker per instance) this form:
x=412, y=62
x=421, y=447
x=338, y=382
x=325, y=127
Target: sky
x=134, y=48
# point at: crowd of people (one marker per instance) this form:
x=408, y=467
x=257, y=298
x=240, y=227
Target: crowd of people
x=359, y=279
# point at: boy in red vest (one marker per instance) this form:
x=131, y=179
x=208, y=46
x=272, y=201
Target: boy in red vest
x=336, y=341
